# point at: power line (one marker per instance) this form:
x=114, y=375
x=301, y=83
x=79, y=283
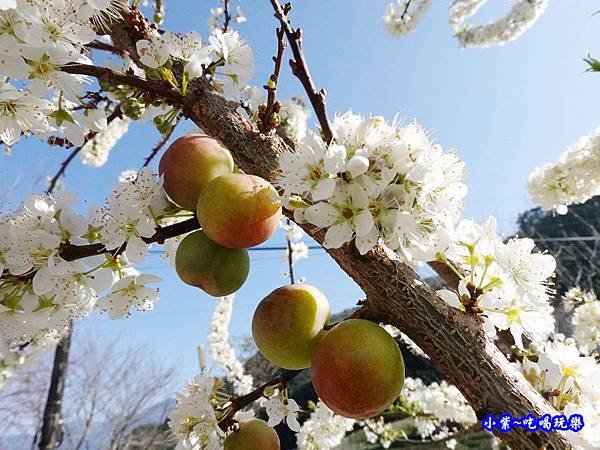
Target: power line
x=264, y=249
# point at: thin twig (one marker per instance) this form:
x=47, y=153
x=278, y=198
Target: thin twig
x=290, y=256
x=160, y=145
x=159, y=12
x=405, y=9
x=271, y=87
x=227, y=14
x=63, y=167
x=300, y=68
x=99, y=45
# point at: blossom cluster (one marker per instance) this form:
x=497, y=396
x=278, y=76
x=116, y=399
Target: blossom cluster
x=194, y=421
x=36, y=39
x=95, y=151
x=403, y=16
x=569, y=377
x=438, y=404
x=323, y=430
x=434, y=412
x=41, y=291
x=221, y=352
x=375, y=181
x=504, y=282
x=14, y=357
x=522, y=16
x=575, y=178
x=37, y=97
x=586, y=317
x=231, y=56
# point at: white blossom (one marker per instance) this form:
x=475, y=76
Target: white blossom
x=279, y=409
x=96, y=150
x=403, y=16
x=130, y=292
x=505, y=282
x=522, y=16
x=574, y=179
x=323, y=430
x=437, y=404
x=377, y=181
x=193, y=421
x=586, y=324
x=238, y=60
x=21, y=112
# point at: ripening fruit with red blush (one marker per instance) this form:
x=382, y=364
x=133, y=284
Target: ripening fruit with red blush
x=357, y=369
x=238, y=210
x=189, y=164
x=288, y=323
x=253, y=434
x=217, y=270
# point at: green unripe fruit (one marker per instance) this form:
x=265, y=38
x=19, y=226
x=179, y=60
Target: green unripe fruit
x=357, y=369
x=189, y=164
x=255, y=434
x=238, y=210
x=217, y=270
x=288, y=323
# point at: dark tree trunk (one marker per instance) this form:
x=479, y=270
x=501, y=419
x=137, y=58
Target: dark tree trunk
x=51, y=434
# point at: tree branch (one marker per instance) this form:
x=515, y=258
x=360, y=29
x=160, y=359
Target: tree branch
x=240, y=403
x=99, y=45
x=300, y=68
x=159, y=88
x=227, y=16
x=63, y=167
x=71, y=252
x=160, y=145
x=271, y=87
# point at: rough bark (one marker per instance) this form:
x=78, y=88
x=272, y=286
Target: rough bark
x=395, y=293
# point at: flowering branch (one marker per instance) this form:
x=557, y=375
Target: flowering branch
x=63, y=167
x=159, y=88
x=72, y=252
x=240, y=403
x=300, y=68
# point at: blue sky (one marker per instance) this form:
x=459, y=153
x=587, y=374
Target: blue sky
x=505, y=110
